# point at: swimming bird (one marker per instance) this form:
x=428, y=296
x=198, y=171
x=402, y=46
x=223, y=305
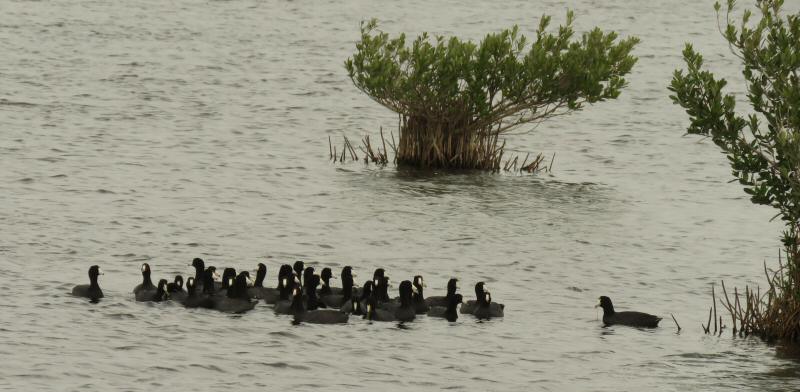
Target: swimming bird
x=484, y=311
x=286, y=298
x=228, y=276
x=91, y=290
x=632, y=319
x=418, y=299
x=438, y=300
x=325, y=285
x=406, y=311
x=158, y=296
x=318, y=316
x=209, y=286
x=236, y=300
x=298, y=268
x=359, y=304
x=284, y=275
x=175, y=289
x=329, y=297
x=199, y=269
x=195, y=298
x=449, y=312
x=258, y=291
x=307, y=274
x=373, y=313
x=146, y=290
x=380, y=285
x=312, y=302
x=470, y=306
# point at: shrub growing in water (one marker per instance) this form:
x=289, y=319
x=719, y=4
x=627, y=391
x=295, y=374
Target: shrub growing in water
x=455, y=98
x=763, y=148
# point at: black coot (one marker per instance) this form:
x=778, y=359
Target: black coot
x=373, y=313
x=228, y=276
x=236, y=300
x=299, y=266
x=359, y=304
x=258, y=291
x=91, y=290
x=318, y=316
x=632, y=319
x=175, y=289
x=159, y=295
x=199, y=269
x=285, y=274
x=307, y=274
x=284, y=303
x=439, y=300
x=312, y=302
x=470, y=306
x=325, y=285
x=195, y=298
x=483, y=310
x=329, y=297
x=449, y=312
x=406, y=311
x=418, y=299
x=145, y=290
x=209, y=287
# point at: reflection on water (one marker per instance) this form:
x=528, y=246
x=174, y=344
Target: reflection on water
x=161, y=131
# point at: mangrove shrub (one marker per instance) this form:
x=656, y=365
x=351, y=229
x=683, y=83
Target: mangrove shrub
x=763, y=147
x=454, y=98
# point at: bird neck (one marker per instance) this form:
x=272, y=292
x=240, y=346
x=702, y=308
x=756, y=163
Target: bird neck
x=347, y=288
x=260, y=279
x=146, y=282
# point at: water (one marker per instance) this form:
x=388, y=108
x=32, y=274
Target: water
x=160, y=131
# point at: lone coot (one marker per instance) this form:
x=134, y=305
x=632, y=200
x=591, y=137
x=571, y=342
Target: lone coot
x=91, y=290
x=145, y=290
x=449, y=312
x=632, y=319
x=438, y=300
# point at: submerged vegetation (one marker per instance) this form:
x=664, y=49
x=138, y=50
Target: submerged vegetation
x=763, y=148
x=455, y=98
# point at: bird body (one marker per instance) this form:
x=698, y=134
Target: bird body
x=629, y=318
x=91, y=290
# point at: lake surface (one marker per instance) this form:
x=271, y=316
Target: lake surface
x=152, y=131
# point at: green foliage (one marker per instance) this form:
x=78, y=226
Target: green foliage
x=763, y=147
x=446, y=88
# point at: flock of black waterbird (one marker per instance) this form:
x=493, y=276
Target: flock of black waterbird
x=310, y=298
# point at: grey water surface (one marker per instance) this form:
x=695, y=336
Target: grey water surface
x=159, y=131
